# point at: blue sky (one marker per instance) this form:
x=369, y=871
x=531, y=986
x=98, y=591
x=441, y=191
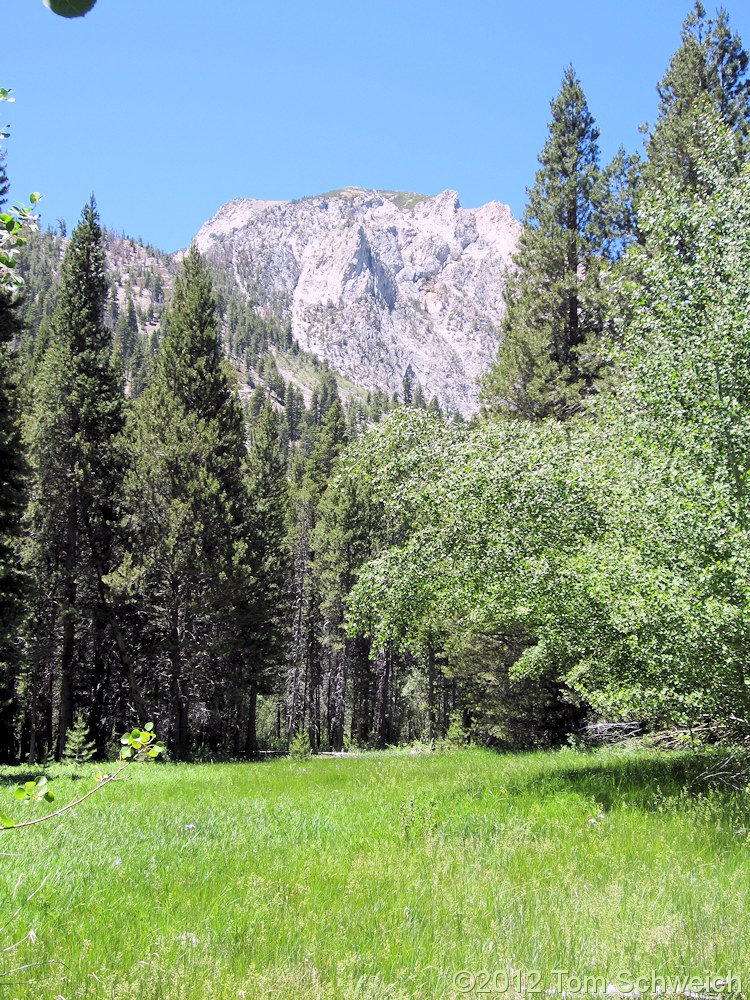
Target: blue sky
x=166, y=109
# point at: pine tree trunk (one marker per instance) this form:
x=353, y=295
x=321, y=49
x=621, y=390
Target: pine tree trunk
x=251, y=738
x=178, y=694
x=383, y=674
x=237, y=730
x=101, y=686
x=179, y=708
x=8, y=706
x=107, y=613
x=313, y=704
x=338, y=697
x=431, y=726
x=8, y=718
x=67, y=652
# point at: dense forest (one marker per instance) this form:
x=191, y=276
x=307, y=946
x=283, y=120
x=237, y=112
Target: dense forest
x=258, y=567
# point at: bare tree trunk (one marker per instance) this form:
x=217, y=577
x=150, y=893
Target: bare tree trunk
x=178, y=692
x=382, y=705
x=67, y=651
x=8, y=717
x=251, y=736
x=338, y=696
x=237, y=731
x=297, y=682
x=101, y=685
x=312, y=674
x=431, y=720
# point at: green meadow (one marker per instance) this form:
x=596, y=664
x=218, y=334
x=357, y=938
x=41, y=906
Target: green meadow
x=384, y=875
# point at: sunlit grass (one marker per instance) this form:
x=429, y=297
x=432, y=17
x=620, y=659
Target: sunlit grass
x=376, y=876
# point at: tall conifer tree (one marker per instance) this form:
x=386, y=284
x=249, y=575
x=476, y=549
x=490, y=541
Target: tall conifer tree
x=709, y=66
x=186, y=573
x=76, y=453
x=311, y=471
x=12, y=481
x=268, y=632
x=555, y=311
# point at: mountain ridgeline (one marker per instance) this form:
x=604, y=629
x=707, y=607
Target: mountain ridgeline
x=378, y=285
x=376, y=282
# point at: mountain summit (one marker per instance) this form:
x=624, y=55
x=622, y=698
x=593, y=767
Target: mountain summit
x=376, y=281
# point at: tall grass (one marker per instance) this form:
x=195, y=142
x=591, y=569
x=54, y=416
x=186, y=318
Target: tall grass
x=377, y=876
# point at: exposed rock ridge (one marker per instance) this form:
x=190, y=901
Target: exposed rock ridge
x=376, y=281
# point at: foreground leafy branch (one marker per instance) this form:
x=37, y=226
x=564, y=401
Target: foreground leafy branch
x=13, y=226
x=139, y=744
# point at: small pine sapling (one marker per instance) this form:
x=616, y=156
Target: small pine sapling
x=79, y=749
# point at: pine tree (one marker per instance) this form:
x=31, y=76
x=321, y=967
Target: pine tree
x=420, y=400
x=311, y=472
x=434, y=407
x=12, y=489
x=407, y=385
x=185, y=576
x=126, y=331
x=344, y=538
x=710, y=65
x=267, y=624
x=555, y=311
x=79, y=748
x=76, y=455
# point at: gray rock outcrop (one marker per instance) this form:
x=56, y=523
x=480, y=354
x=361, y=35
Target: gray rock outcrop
x=376, y=281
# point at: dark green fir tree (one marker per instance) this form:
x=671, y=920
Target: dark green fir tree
x=186, y=575
x=267, y=624
x=76, y=453
x=12, y=495
x=710, y=67
x=549, y=359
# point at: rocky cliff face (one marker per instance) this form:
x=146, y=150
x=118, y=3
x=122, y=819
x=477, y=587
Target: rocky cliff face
x=376, y=281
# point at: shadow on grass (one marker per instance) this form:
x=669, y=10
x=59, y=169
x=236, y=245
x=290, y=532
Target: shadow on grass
x=638, y=780
x=18, y=775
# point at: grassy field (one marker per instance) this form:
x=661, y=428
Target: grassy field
x=378, y=876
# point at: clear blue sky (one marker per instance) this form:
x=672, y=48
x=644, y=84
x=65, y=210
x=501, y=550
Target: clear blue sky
x=166, y=109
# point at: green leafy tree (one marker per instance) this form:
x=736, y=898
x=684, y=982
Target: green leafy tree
x=14, y=224
x=610, y=555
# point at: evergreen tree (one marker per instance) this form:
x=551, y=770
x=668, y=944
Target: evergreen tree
x=407, y=385
x=76, y=455
x=126, y=331
x=267, y=624
x=555, y=310
x=311, y=472
x=434, y=407
x=709, y=66
x=329, y=441
x=79, y=749
x=12, y=481
x=343, y=540
x=185, y=577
